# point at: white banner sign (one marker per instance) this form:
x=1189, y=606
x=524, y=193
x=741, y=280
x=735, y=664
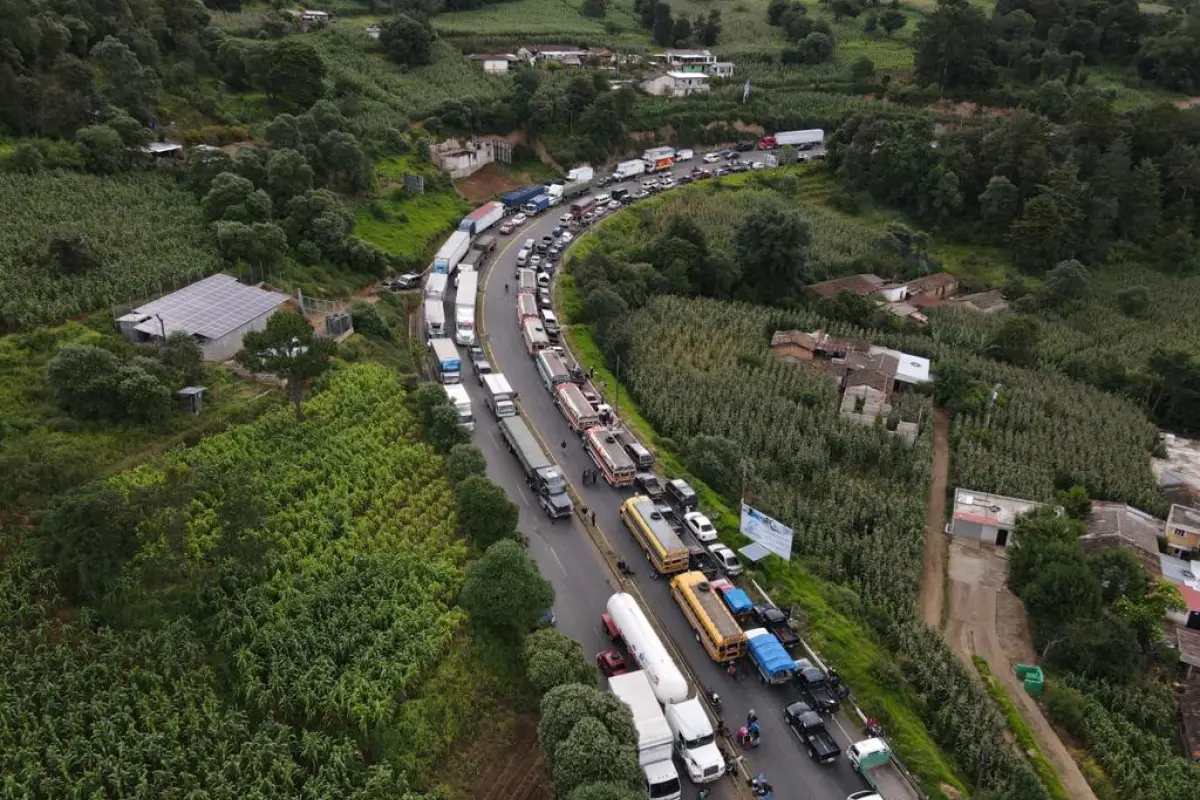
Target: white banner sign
x=770, y=533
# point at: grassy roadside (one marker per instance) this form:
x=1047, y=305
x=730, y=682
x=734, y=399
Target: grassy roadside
x=1021, y=731
x=844, y=642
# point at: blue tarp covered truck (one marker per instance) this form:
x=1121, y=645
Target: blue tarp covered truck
x=774, y=663
x=518, y=197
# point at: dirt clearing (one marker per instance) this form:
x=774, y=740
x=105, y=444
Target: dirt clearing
x=981, y=610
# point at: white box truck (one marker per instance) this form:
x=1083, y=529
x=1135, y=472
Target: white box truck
x=464, y=308
x=500, y=395
x=628, y=169
x=655, y=741
x=435, y=286
x=435, y=319
x=449, y=254
x=462, y=404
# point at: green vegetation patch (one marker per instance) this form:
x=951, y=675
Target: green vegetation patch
x=1020, y=730
x=72, y=243
x=406, y=225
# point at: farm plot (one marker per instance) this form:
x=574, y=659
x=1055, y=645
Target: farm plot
x=138, y=232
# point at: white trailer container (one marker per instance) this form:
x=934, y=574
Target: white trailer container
x=500, y=395
x=482, y=218
x=655, y=742
x=647, y=649
x=584, y=173
x=435, y=286
x=462, y=404
x=805, y=138
x=449, y=254
x=628, y=169
x=435, y=319
x=464, y=308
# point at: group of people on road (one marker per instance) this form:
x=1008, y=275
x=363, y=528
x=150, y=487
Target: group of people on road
x=590, y=476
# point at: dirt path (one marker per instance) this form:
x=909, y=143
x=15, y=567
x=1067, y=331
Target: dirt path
x=977, y=593
x=933, y=574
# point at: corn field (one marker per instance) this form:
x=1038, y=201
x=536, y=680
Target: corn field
x=329, y=647
x=390, y=97
x=142, y=229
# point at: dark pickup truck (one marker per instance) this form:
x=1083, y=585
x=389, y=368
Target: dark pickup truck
x=816, y=687
x=700, y=560
x=810, y=729
x=777, y=623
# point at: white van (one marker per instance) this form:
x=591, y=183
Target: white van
x=550, y=323
x=523, y=257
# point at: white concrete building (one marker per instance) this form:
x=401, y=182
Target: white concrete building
x=676, y=84
x=217, y=311
x=986, y=518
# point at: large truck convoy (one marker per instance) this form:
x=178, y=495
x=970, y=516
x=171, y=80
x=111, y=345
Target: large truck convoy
x=543, y=475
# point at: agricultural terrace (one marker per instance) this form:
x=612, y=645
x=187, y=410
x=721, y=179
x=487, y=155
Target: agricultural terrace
x=387, y=97
x=545, y=21
x=139, y=231
x=290, y=612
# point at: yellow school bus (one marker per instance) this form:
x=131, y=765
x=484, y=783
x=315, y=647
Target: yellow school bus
x=716, y=628
x=664, y=548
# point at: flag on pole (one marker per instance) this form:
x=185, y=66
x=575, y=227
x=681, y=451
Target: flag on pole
x=746, y=91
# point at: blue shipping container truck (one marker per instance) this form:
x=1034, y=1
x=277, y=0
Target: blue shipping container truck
x=537, y=205
x=445, y=359
x=519, y=196
x=774, y=663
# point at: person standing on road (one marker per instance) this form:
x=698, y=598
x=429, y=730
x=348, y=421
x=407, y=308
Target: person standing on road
x=593, y=518
x=564, y=445
x=584, y=511
x=751, y=718
x=506, y=288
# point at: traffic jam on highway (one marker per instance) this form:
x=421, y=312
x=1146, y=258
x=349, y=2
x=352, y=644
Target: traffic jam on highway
x=757, y=688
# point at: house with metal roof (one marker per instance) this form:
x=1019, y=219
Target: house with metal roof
x=217, y=311
x=985, y=517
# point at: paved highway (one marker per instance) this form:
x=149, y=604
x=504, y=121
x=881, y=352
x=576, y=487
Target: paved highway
x=569, y=559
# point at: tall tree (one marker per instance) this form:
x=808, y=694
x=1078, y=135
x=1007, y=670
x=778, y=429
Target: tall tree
x=296, y=74
x=485, y=514
x=552, y=659
x=951, y=48
x=290, y=349
x=769, y=244
x=504, y=592
x=999, y=204
x=407, y=41
x=87, y=535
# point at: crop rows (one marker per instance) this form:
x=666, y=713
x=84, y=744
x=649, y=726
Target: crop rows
x=143, y=231
x=854, y=495
x=338, y=632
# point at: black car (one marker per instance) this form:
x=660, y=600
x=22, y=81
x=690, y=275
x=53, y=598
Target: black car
x=740, y=166
x=745, y=147
x=558, y=231
x=649, y=484
x=606, y=180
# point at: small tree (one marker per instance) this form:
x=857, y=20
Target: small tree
x=1075, y=502
x=289, y=349
x=102, y=149
x=504, y=592
x=591, y=754
x=464, y=461
x=596, y=9
x=1016, y=341
x=485, y=514
x=1133, y=301
x=445, y=429
x=1069, y=280
x=788, y=155
x=862, y=69
x=552, y=659
x=182, y=354
x=87, y=535
x=892, y=20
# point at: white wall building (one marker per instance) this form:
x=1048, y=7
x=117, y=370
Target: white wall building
x=986, y=518
x=217, y=311
x=675, y=84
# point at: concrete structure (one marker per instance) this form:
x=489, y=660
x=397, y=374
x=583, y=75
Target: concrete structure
x=986, y=518
x=721, y=69
x=1118, y=525
x=864, y=284
x=940, y=285
x=217, y=311
x=461, y=159
x=984, y=302
x=495, y=62
x=311, y=19
x=675, y=84
x=374, y=32
x=687, y=59
x=911, y=370
x=1183, y=531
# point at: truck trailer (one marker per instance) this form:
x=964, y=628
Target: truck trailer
x=500, y=395
x=482, y=218
x=446, y=362
x=801, y=140
x=435, y=286
x=655, y=741
x=451, y=252
x=462, y=404
x=435, y=319
x=543, y=475
x=659, y=158
x=646, y=649
x=464, y=308
x=518, y=197
x=536, y=205
x=628, y=169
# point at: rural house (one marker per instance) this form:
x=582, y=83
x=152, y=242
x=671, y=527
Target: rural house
x=695, y=61
x=1117, y=525
x=675, y=84
x=990, y=302
x=986, y=518
x=938, y=286
x=495, y=62
x=1183, y=531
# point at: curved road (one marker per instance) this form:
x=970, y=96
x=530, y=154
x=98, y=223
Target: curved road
x=581, y=578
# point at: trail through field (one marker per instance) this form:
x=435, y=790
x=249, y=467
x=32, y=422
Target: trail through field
x=977, y=592
x=933, y=573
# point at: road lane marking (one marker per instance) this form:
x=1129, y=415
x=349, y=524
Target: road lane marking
x=557, y=559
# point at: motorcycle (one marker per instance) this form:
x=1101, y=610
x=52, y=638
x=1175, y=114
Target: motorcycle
x=873, y=729
x=624, y=569
x=714, y=699
x=760, y=788
x=749, y=736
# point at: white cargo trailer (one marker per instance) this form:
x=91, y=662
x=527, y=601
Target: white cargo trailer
x=655, y=742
